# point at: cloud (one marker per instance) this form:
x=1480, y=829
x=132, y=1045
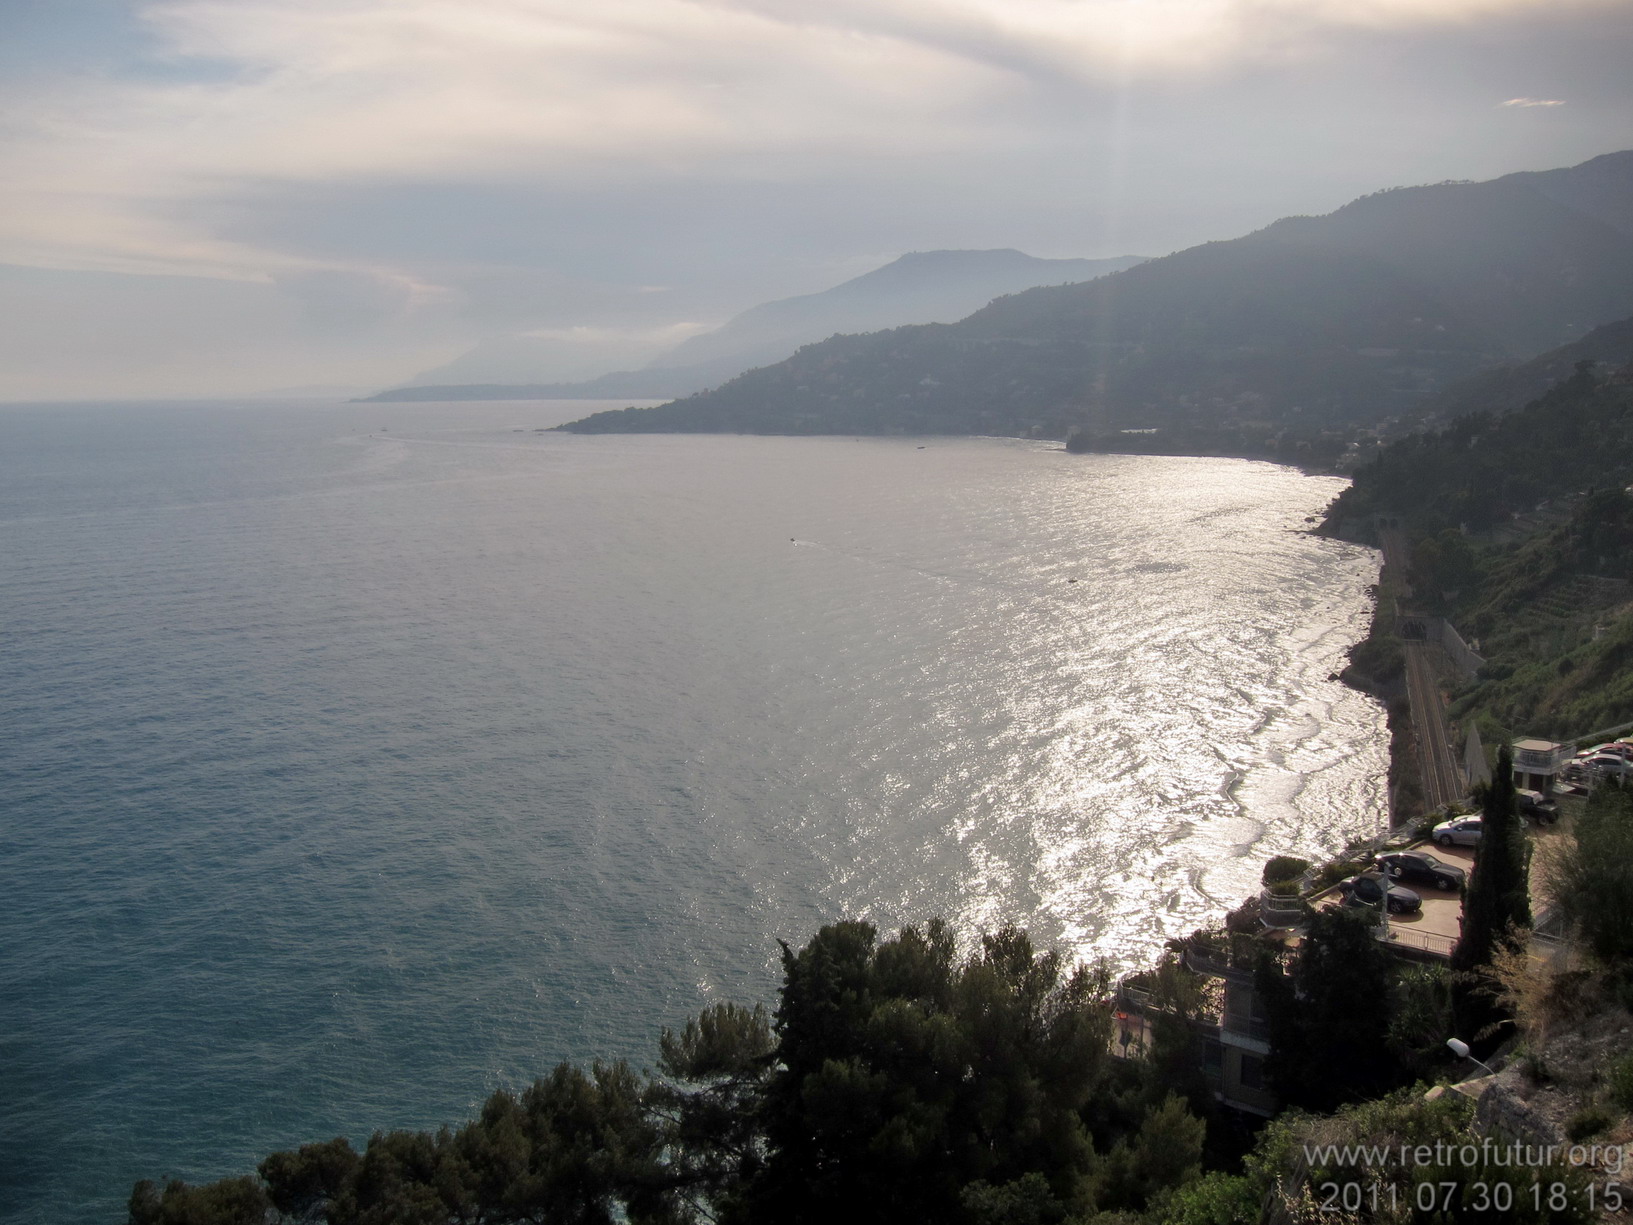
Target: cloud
x=1532, y=102
x=509, y=165
x=101, y=170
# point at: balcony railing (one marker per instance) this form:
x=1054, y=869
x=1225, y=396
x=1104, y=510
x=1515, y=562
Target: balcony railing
x=1230, y=954
x=1429, y=942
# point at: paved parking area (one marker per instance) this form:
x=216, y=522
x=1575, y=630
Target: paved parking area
x=1440, y=925
x=1437, y=927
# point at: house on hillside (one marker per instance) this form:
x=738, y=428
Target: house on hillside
x=1236, y=1038
x=1537, y=764
x=1232, y=1024
x=1233, y=1030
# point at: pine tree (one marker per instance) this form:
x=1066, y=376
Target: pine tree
x=1329, y=1020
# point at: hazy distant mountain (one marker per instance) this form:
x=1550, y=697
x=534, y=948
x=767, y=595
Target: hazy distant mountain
x=1352, y=317
x=1510, y=387
x=527, y=359
x=1552, y=429
x=309, y=391
x=922, y=287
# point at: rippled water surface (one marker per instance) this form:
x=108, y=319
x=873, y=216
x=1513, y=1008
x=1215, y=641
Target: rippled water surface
x=359, y=759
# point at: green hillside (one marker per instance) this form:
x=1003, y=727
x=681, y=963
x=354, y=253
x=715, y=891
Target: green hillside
x=1487, y=467
x=1313, y=323
x=1521, y=530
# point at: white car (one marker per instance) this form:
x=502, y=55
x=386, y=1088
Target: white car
x=1609, y=765
x=1459, y=831
x=1617, y=748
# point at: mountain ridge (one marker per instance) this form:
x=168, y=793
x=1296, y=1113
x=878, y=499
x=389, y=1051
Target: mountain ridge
x=918, y=287
x=1321, y=322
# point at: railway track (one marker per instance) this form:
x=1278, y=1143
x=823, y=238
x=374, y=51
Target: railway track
x=1442, y=776
x=1437, y=761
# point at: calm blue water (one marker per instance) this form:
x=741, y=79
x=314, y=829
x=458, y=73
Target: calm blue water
x=359, y=759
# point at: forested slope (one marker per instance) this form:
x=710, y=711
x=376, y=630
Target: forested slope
x=1314, y=322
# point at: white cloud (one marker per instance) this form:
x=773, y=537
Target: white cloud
x=630, y=91
x=1526, y=102
x=508, y=90
x=503, y=164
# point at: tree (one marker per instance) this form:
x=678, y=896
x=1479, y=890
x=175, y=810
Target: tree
x=1443, y=565
x=1174, y=1060
x=1329, y=1019
x=715, y=1071
x=232, y=1201
x=1026, y=1201
x=1497, y=901
x=575, y=1148
x=307, y=1181
x=897, y=1083
x=1593, y=878
x=1164, y=1155
x=1217, y=1198
x=907, y=1078
x=1421, y=1019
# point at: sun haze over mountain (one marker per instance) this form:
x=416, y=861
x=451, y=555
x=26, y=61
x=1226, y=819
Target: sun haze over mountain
x=205, y=196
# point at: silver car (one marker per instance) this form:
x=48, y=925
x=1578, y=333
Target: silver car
x=1608, y=765
x=1459, y=831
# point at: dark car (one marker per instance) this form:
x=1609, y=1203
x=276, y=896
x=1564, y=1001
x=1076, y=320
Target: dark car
x=1422, y=868
x=1535, y=805
x=1367, y=888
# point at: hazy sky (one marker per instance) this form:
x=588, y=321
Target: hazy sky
x=218, y=196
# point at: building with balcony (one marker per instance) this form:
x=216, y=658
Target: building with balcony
x=1233, y=1032
x=1235, y=1038
x=1537, y=764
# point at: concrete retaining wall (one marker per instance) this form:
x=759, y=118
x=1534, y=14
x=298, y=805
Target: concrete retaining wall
x=1438, y=630
x=1463, y=657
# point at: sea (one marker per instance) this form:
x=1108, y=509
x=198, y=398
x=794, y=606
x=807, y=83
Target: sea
x=357, y=760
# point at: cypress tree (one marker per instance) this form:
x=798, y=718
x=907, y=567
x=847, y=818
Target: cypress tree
x=1497, y=901
x=1499, y=896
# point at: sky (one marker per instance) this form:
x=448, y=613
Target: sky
x=232, y=197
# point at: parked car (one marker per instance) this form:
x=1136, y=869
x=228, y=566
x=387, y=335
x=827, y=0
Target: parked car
x=1459, y=831
x=1369, y=888
x=1611, y=764
x=1422, y=868
x=1615, y=748
x=1537, y=806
